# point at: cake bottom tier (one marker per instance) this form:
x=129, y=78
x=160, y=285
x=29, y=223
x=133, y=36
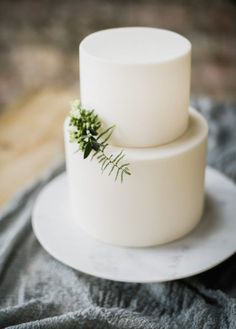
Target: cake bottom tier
x=161, y=201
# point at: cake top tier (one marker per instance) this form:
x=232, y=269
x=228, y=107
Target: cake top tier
x=135, y=45
x=138, y=79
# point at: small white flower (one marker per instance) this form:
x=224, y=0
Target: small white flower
x=73, y=129
x=75, y=111
x=75, y=104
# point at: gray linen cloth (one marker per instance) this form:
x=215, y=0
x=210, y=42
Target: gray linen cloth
x=36, y=291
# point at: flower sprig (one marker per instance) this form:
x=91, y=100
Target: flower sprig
x=85, y=130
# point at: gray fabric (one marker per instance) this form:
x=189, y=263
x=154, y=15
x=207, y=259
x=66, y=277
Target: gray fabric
x=36, y=291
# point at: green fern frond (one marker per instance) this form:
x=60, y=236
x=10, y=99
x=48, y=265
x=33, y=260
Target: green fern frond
x=84, y=129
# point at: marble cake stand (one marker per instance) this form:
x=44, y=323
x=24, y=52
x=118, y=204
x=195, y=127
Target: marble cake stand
x=210, y=243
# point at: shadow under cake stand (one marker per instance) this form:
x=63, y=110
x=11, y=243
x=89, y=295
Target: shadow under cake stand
x=210, y=243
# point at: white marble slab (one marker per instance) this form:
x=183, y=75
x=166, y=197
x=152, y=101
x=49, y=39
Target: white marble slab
x=211, y=242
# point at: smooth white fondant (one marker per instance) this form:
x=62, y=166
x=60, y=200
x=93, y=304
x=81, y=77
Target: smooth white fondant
x=161, y=201
x=210, y=243
x=138, y=79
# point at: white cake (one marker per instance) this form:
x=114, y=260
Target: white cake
x=138, y=80
x=141, y=73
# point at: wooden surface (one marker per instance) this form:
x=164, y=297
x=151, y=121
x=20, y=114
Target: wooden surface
x=31, y=138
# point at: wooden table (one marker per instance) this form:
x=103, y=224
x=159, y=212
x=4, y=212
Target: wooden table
x=31, y=138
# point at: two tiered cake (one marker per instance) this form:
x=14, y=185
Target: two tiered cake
x=138, y=79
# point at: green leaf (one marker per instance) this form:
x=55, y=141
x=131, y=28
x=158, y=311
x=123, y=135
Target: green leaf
x=117, y=174
x=87, y=150
x=104, y=163
x=108, y=137
x=117, y=156
x=95, y=145
x=119, y=159
x=124, y=165
x=103, y=146
x=95, y=154
x=101, y=159
x=112, y=168
x=105, y=132
x=93, y=131
x=127, y=172
x=122, y=176
x=108, y=163
x=100, y=155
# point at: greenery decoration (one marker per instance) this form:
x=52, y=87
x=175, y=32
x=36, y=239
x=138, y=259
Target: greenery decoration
x=85, y=130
